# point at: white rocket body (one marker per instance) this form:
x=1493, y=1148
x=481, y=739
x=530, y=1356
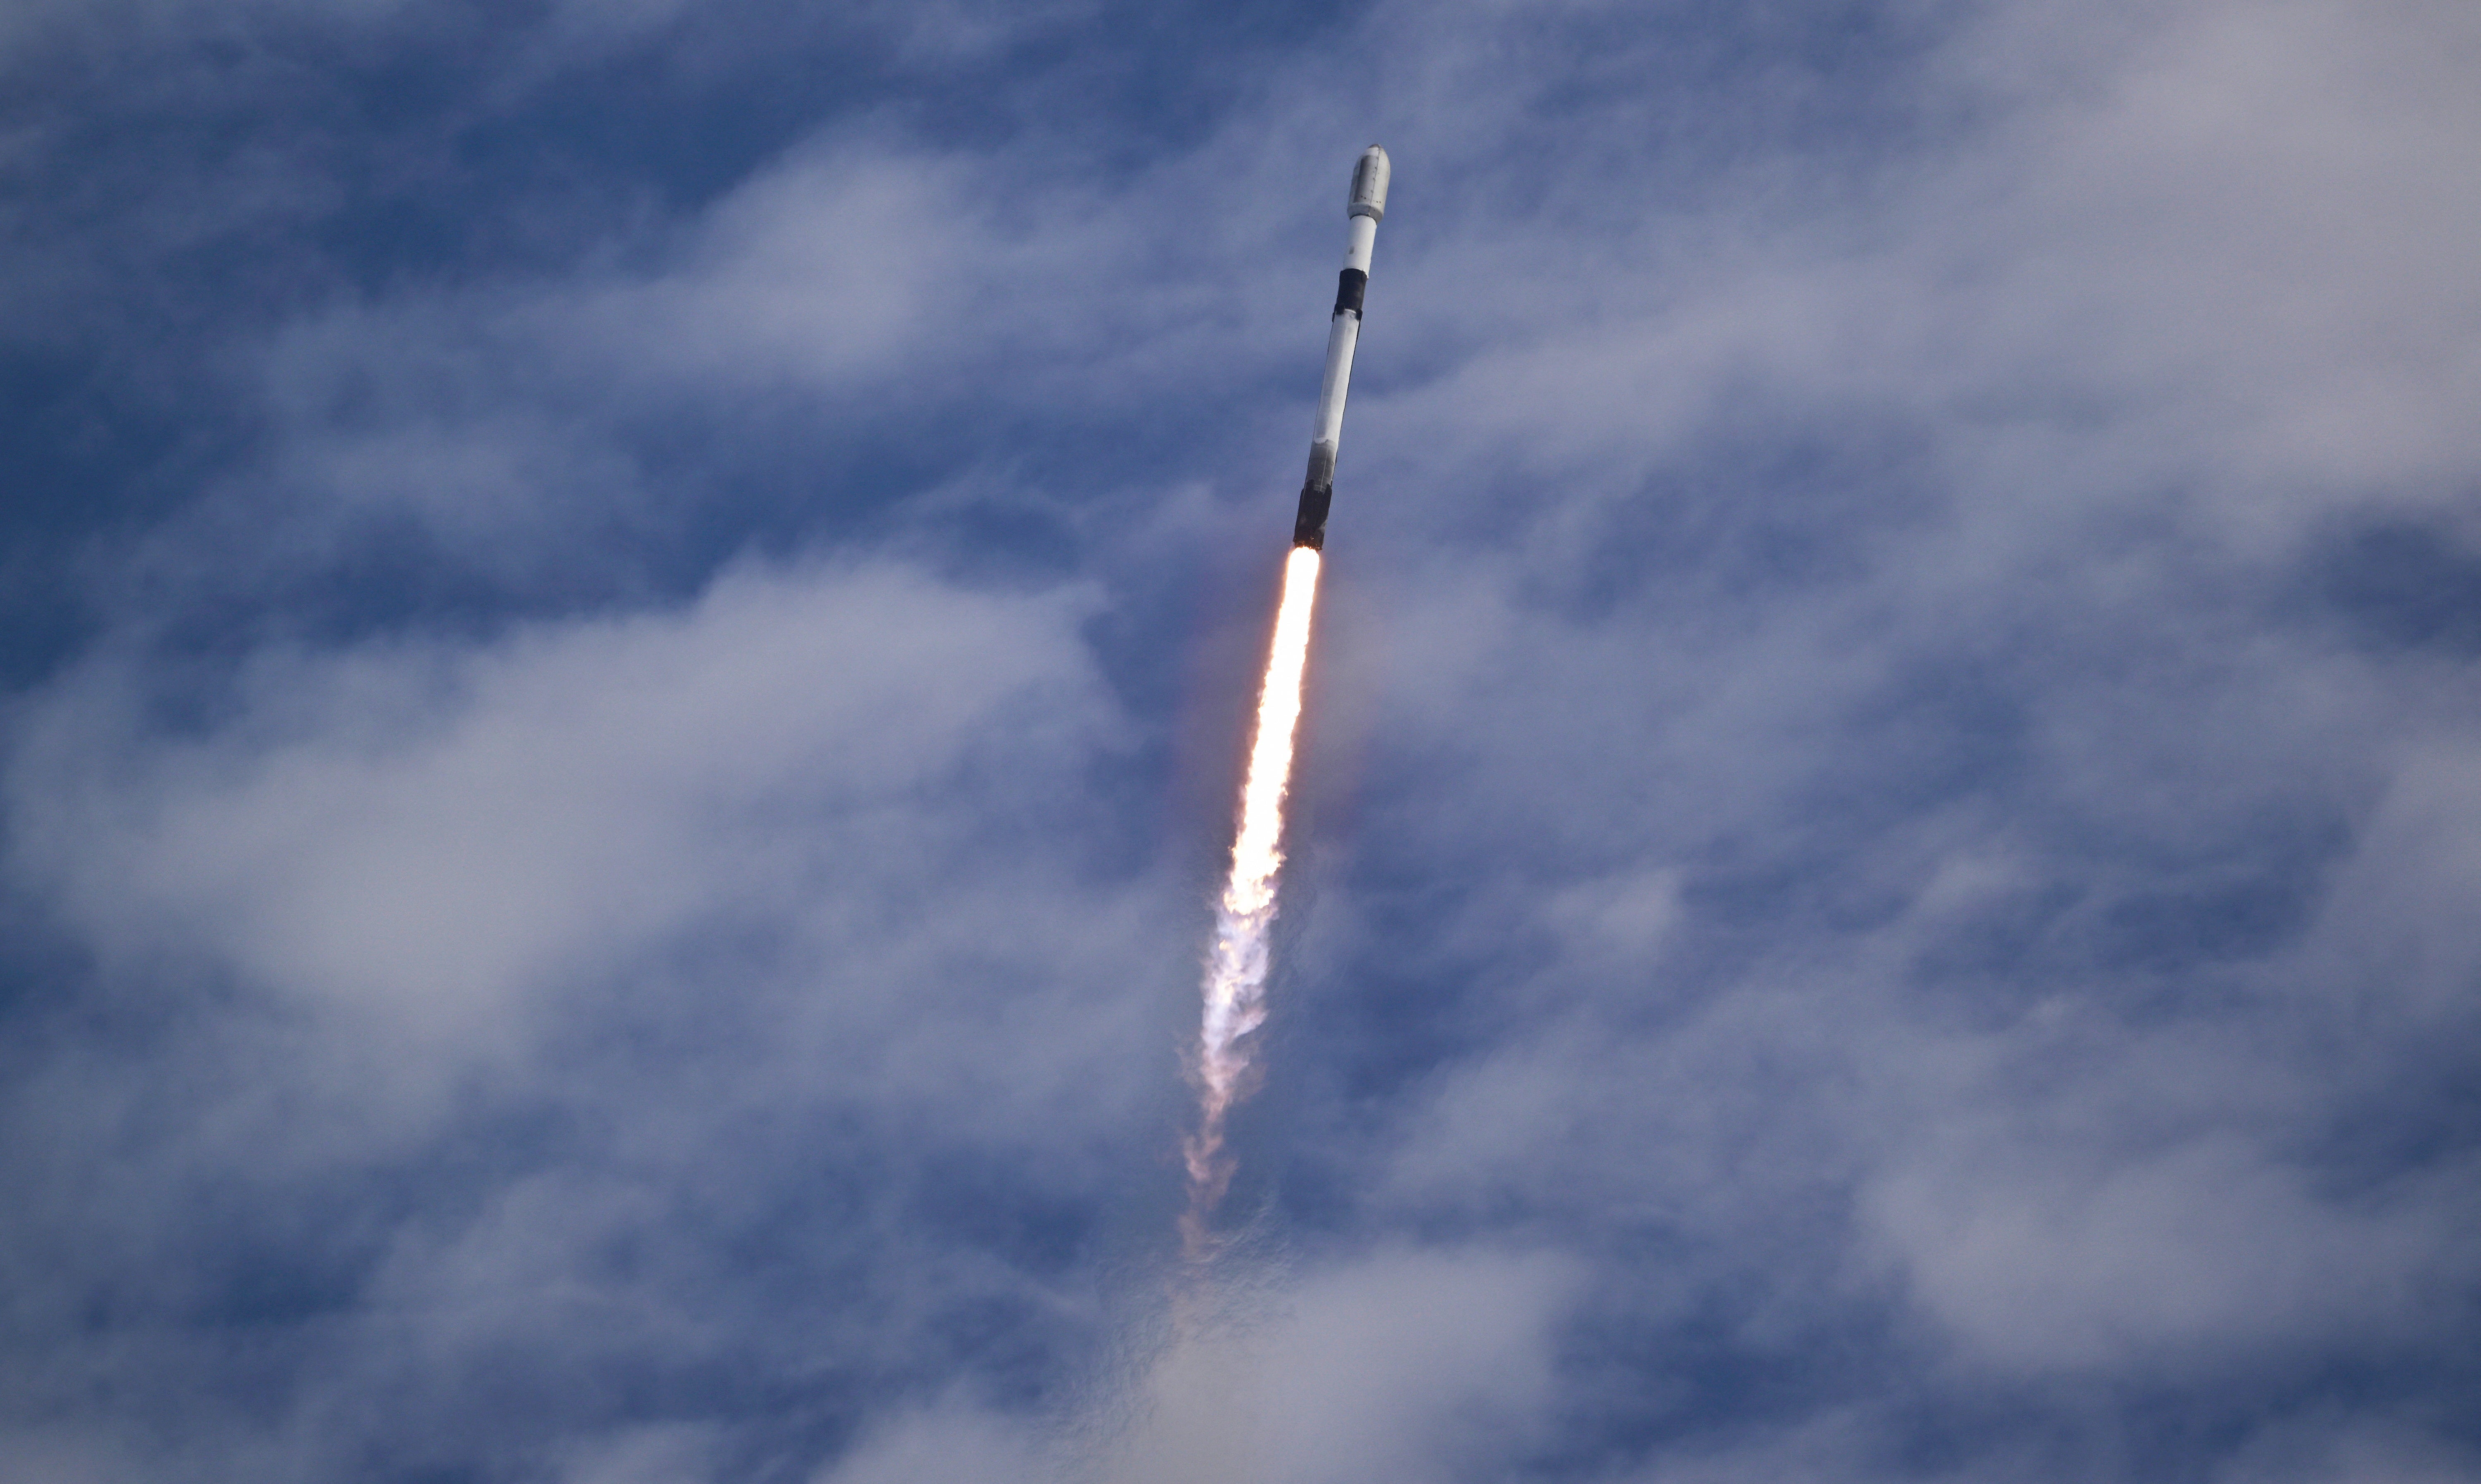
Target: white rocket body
x=1362, y=214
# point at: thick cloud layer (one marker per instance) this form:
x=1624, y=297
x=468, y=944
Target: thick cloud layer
x=628, y=631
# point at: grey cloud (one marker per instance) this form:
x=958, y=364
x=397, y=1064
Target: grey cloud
x=2222, y=259
x=433, y=836
x=831, y=268
x=2196, y=1253
x=422, y=901
x=2317, y=1448
x=1401, y=1362
x=959, y=1445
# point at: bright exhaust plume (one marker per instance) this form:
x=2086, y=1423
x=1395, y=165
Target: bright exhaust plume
x=1235, y=969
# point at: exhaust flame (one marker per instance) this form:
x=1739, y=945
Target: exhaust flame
x=1235, y=971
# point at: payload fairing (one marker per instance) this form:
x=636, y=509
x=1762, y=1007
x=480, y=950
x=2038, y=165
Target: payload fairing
x=1369, y=204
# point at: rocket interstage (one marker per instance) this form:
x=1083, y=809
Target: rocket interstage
x=1362, y=215
x=1235, y=989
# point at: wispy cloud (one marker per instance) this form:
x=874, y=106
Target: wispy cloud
x=608, y=881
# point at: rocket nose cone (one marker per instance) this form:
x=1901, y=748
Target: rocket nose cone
x=1369, y=185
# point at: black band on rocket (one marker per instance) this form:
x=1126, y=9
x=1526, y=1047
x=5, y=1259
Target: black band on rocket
x=1318, y=492
x=1350, y=286
x=1309, y=527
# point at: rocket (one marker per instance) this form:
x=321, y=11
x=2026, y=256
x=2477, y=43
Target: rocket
x=1367, y=204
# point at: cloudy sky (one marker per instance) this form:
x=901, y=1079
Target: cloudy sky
x=625, y=626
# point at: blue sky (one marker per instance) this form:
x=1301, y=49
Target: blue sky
x=626, y=628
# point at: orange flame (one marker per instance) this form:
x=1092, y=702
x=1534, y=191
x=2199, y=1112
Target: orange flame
x=1235, y=969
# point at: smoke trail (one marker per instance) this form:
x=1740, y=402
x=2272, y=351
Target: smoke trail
x=1235, y=970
